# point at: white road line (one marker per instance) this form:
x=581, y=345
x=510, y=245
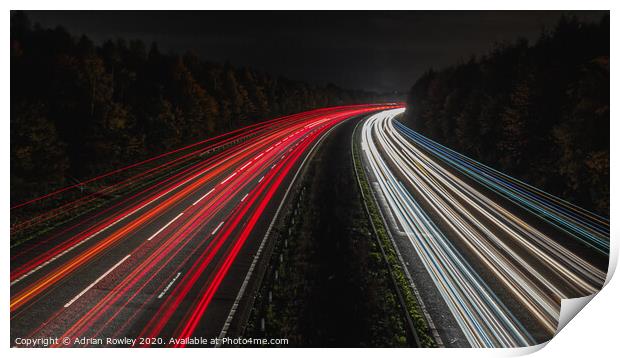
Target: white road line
x=96, y=281
x=258, y=156
x=202, y=197
x=257, y=255
x=165, y=226
x=81, y=242
x=168, y=286
x=245, y=166
x=261, y=179
x=229, y=177
x=100, y=231
x=217, y=228
x=245, y=196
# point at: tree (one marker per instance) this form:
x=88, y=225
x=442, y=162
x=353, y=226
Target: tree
x=539, y=112
x=36, y=152
x=514, y=123
x=104, y=106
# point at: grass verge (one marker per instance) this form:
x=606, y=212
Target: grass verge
x=407, y=294
x=327, y=284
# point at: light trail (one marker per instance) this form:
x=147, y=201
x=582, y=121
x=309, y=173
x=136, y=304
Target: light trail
x=444, y=216
x=587, y=227
x=203, y=240
x=96, y=281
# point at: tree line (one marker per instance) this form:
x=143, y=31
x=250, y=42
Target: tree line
x=79, y=108
x=538, y=112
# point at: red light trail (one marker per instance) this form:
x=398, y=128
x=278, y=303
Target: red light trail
x=151, y=263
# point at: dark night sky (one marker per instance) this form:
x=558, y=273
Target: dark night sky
x=381, y=51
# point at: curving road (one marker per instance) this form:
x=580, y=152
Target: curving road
x=165, y=260
x=500, y=253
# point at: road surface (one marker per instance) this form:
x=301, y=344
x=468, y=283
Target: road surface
x=166, y=262
x=500, y=253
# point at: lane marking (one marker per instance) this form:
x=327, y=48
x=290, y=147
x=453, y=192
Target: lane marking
x=245, y=196
x=261, y=179
x=164, y=227
x=202, y=197
x=229, y=177
x=245, y=166
x=257, y=255
x=217, y=228
x=105, y=228
x=168, y=286
x=81, y=243
x=96, y=282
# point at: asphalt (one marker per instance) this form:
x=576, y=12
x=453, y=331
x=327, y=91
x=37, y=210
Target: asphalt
x=437, y=310
x=101, y=288
x=445, y=322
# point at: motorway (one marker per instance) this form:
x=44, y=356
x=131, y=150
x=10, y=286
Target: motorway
x=167, y=260
x=500, y=253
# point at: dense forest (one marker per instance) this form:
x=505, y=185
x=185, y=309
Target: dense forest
x=79, y=108
x=539, y=111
